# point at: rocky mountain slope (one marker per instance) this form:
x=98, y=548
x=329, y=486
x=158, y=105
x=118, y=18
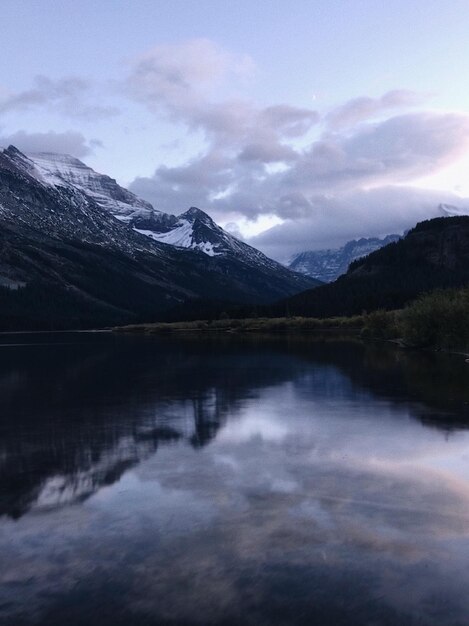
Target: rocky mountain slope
x=434, y=254
x=328, y=265
x=68, y=260
x=192, y=229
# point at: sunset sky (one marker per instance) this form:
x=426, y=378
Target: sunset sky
x=297, y=125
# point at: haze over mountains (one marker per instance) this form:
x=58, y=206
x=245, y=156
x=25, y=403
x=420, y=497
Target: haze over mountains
x=73, y=239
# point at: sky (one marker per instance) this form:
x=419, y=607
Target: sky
x=296, y=125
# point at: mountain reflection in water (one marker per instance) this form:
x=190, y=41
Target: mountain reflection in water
x=231, y=480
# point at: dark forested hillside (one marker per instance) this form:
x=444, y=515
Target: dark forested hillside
x=433, y=254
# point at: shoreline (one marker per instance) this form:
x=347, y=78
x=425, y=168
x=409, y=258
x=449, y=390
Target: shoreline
x=353, y=326
x=55, y=332
x=280, y=325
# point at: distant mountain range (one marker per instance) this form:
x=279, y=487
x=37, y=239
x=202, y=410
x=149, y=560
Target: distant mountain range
x=78, y=250
x=434, y=254
x=328, y=265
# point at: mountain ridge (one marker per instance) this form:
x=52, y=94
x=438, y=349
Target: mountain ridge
x=193, y=229
x=328, y=264
x=434, y=254
x=58, y=240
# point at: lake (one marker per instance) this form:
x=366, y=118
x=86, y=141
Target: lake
x=231, y=480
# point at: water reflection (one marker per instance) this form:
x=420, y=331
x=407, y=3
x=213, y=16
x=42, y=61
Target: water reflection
x=232, y=481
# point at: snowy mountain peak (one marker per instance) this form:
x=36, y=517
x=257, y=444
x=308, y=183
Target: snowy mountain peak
x=19, y=161
x=80, y=266
x=196, y=230
x=194, y=213
x=328, y=265
x=193, y=229
x=61, y=170
x=66, y=176
x=13, y=151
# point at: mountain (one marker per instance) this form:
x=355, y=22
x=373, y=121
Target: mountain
x=434, y=254
x=192, y=229
x=328, y=265
x=70, y=255
x=59, y=170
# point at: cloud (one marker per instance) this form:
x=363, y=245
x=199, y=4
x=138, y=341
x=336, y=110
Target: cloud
x=175, y=77
x=267, y=153
x=329, y=178
x=184, y=82
x=225, y=181
x=70, y=142
x=398, y=149
x=364, y=108
x=333, y=220
x=70, y=96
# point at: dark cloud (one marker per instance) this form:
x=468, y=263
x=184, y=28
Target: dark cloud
x=69, y=142
x=267, y=153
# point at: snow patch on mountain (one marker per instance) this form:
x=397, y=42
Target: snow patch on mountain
x=181, y=236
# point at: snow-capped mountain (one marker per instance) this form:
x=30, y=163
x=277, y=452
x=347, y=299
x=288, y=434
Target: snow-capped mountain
x=328, y=265
x=192, y=229
x=196, y=230
x=60, y=169
x=69, y=237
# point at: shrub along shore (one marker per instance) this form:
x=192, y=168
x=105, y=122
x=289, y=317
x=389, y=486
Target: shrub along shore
x=438, y=320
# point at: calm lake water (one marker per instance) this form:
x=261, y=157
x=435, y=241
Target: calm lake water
x=231, y=480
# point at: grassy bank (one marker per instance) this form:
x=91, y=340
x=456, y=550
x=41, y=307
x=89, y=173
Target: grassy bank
x=262, y=324
x=437, y=320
